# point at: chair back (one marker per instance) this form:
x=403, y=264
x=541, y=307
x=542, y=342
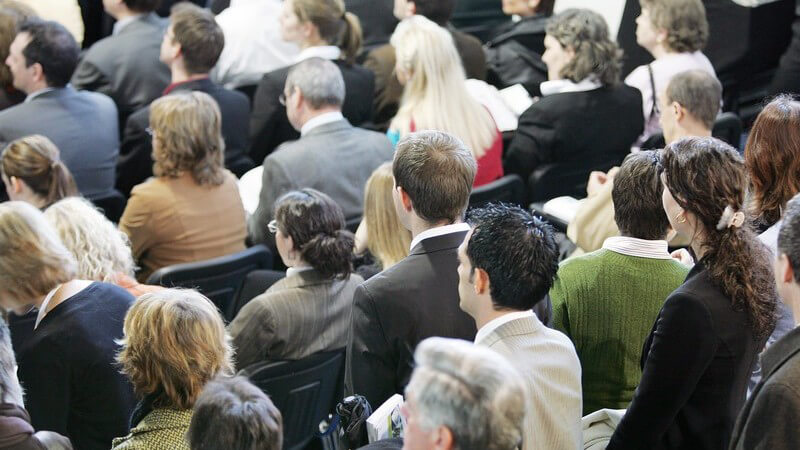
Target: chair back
x=509, y=189
x=728, y=128
x=219, y=279
x=113, y=206
x=305, y=391
x=352, y=224
x=256, y=283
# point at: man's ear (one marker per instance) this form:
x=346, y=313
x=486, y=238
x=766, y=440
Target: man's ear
x=16, y=184
x=481, y=282
x=405, y=199
x=680, y=111
x=38, y=72
x=788, y=271
x=443, y=438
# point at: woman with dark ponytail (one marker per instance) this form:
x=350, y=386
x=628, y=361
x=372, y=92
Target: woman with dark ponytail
x=699, y=356
x=33, y=172
x=321, y=28
x=309, y=310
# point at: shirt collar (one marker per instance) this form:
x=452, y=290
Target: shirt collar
x=173, y=86
x=438, y=231
x=33, y=95
x=560, y=86
x=322, y=119
x=296, y=270
x=641, y=248
x=122, y=23
x=495, y=323
x=330, y=52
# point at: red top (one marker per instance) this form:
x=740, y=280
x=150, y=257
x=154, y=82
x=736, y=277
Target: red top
x=490, y=165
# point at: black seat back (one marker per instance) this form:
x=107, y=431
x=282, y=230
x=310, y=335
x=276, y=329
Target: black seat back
x=305, y=391
x=113, y=206
x=219, y=279
x=509, y=189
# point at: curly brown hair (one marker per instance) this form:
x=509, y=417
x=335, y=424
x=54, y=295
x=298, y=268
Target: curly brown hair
x=772, y=157
x=705, y=176
x=683, y=20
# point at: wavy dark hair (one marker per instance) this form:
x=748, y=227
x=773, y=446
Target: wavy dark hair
x=317, y=227
x=706, y=175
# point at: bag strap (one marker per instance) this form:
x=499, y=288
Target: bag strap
x=654, y=108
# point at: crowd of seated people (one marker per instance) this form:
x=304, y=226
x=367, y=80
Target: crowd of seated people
x=674, y=325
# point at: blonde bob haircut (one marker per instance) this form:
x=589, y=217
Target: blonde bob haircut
x=174, y=343
x=387, y=239
x=187, y=129
x=335, y=25
x=32, y=259
x=101, y=250
x=684, y=21
x=435, y=96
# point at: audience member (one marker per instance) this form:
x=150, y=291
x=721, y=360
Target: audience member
x=514, y=54
x=772, y=159
x=699, y=356
x=253, y=43
x=321, y=28
x=33, y=172
x=382, y=60
x=689, y=105
x=65, y=12
x=377, y=20
x=82, y=125
x=174, y=343
x=462, y=397
x=16, y=432
x=607, y=301
x=331, y=155
x=586, y=120
x=102, y=251
x=674, y=32
x=428, y=67
x=190, y=48
x=125, y=65
x=191, y=210
x=67, y=364
x=231, y=413
x=507, y=265
x=769, y=418
x=417, y=297
x=309, y=310
x=388, y=241
x=12, y=14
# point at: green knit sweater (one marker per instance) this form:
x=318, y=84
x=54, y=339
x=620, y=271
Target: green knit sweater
x=607, y=302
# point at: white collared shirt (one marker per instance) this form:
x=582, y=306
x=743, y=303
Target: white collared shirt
x=438, y=231
x=33, y=95
x=330, y=52
x=560, y=86
x=643, y=248
x=122, y=23
x=321, y=119
x=296, y=270
x=495, y=323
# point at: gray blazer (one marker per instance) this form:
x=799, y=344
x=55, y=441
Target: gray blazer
x=299, y=315
x=335, y=158
x=125, y=66
x=83, y=125
x=770, y=418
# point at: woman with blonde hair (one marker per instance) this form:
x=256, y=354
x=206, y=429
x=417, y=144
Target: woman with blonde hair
x=191, y=210
x=174, y=343
x=33, y=172
x=321, y=28
x=381, y=240
x=67, y=363
x=102, y=251
x=435, y=95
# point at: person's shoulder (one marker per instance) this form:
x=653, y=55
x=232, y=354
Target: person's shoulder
x=111, y=293
x=98, y=98
x=578, y=264
x=393, y=278
x=466, y=40
x=277, y=76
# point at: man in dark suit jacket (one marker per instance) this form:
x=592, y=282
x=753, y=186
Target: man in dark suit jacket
x=83, y=125
x=125, y=65
x=417, y=297
x=381, y=61
x=331, y=155
x=770, y=416
x=191, y=47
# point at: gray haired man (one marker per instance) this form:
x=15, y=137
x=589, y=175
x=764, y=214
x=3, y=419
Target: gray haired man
x=331, y=155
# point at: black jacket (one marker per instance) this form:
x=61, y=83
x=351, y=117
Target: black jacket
x=135, y=163
x=393, y=311
x=269, y=126
x=514, y=56
x=562, y=137
x=695, y=367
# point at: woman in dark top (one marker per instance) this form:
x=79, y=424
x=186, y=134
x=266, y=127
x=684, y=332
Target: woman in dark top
x=585, y=120
x=698, y=358
x=67, y=365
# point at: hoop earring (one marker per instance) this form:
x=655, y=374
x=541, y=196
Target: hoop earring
x=680, y=221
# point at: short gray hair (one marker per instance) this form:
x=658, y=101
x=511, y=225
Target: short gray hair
x=789, y=235
x=697, y=91
x=473, y=391
x=319, y=80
